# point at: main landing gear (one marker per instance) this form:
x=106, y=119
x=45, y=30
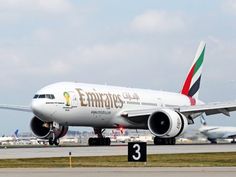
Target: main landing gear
x=213, y=141
x=233, y=141
x=100, y=140
x=164, y=141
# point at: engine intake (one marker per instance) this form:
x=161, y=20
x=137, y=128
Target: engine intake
x=167, y=123
x=45, y=130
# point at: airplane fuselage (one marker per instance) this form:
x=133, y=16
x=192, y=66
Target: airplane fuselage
x=79, y=104
x=218, y=132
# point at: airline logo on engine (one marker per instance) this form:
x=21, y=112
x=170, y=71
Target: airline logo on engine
x=99, y=100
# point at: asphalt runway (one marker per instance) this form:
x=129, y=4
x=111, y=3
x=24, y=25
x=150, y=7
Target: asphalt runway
x=124, y=172
x=13, y=153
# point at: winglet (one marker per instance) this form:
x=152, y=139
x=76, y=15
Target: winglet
x=192, y=83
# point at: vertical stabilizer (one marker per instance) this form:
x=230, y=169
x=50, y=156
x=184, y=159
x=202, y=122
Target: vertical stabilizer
x=16, y=133
x=192, y=83
x=203, y=121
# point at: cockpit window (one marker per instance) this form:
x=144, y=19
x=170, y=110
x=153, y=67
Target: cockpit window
x=48, y=96
x=42, y=96
x=36, y=96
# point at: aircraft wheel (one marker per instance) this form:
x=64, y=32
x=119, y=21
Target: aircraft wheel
x=173, y=141
x=91, y=142
x=164, y=141
x=108, y=141
x=56, y=142
x=99, y=142
x=51, y=142
x=158, y=141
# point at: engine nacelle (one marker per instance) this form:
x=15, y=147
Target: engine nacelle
x=167, y=123
x=45, y=130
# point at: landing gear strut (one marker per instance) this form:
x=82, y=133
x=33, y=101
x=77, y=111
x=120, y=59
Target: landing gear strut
x=233, y=141
x=164, y=141
x=100, y=140
x=53, y=140
x=213, y=141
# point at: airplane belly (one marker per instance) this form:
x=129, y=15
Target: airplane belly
x=84, y=117
x=215, y=134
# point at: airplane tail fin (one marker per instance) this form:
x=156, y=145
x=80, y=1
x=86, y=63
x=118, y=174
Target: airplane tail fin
x=16, y=133
x=203, y=121
x=192, y=83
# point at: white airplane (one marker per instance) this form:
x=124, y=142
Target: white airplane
x=165, y=114
x=9, y=139
x=217, y=132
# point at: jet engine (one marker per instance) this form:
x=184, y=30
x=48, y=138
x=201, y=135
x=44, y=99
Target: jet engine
x=167, y=123
x=45, y=130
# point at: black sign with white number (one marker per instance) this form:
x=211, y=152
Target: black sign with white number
x=137, y=152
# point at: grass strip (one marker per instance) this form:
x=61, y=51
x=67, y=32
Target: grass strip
x=158, y=160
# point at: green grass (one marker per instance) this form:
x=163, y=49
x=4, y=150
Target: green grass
x=162, y=160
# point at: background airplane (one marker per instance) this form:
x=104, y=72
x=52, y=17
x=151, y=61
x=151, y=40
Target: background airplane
x=9, y=139
x=217, y=132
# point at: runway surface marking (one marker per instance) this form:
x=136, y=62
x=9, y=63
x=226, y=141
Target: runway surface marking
x=124, y=172
x=14, y=153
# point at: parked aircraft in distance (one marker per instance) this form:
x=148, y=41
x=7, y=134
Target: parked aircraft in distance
x=9, y=139
x=217, y=132
x=165, y=114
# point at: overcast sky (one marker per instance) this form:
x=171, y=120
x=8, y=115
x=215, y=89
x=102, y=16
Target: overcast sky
x=135, y=43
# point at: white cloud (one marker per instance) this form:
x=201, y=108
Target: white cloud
x=108, y=52
x=16, y=11
x=55, y=5
x=42, y=35
x=59, y=67
x=157, y=21
x=50, y=6
x=229, y=6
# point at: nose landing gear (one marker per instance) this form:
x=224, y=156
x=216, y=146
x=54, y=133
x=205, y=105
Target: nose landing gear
x=52, y=141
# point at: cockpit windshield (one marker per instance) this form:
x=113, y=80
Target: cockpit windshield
x=48, y=96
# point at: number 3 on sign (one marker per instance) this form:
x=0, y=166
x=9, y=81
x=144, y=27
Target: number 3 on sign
x=137, y=152
x=137, y=155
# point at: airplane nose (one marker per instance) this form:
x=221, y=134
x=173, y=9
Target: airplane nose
x=36, y=107
x=41, y=110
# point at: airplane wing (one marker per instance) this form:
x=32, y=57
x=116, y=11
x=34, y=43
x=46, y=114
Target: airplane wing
x=208, y=109
x=16, y=108
x=209, y=129
x=230, y=135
